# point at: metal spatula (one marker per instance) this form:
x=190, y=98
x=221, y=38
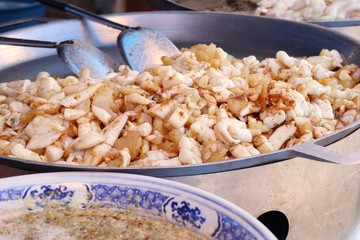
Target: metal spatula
x=75, y=54
x=140, y=47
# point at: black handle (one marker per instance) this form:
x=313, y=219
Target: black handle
x=27, y=42
x=74, y=10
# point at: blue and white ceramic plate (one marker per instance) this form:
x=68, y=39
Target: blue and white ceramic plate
x=179, y=203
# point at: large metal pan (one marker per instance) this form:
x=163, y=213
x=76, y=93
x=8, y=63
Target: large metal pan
x=247, y=8
x=320, y=200
x=241, y=36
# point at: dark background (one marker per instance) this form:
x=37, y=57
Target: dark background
x=106, y=7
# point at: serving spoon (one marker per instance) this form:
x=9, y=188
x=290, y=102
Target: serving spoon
x=75, y=54
x=140, y=47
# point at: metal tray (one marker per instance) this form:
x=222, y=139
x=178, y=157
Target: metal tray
x=240, y=35
x=174, y=5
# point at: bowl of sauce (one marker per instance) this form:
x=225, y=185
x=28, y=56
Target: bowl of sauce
x=83, y=205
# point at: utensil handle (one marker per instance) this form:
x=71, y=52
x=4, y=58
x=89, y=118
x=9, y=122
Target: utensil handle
x=324, y=154
x=27, y=43
x=74, y=10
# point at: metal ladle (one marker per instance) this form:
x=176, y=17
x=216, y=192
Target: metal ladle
x=75, y=54
x=140, y=47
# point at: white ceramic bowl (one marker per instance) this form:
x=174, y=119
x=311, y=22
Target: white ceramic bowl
x=179, y=203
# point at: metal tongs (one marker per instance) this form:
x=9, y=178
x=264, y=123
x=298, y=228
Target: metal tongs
x=140, y=47
x=75, y=54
